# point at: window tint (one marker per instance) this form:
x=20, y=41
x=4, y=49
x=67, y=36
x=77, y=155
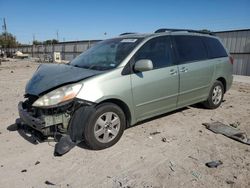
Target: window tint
x=190, y=48
x=158, y=50
x=215, y=48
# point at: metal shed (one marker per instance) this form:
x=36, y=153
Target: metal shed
x=238, y=44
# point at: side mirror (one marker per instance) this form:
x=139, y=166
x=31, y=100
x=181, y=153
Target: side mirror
x=143, y=65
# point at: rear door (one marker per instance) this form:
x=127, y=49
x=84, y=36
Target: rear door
x=195, y=69
x=155, y=91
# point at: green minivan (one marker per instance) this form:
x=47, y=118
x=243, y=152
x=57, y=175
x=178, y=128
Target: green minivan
x=121, y=81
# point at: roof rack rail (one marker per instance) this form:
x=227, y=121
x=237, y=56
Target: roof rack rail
x=128, y=33
x=188, y=30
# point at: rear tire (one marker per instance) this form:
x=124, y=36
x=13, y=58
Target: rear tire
x=105, y=127
x=215, y=96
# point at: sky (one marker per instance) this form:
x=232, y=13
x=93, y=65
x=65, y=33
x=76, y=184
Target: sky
x=93, y=19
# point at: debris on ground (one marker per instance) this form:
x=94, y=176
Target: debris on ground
x=171, y=166
x=154, y=133
x=64, y=145
x=242, y=90
x=235, y=124
x=11, y=71
x=214, y=164
x=230, y=182
x=1, y=166
x=192, y=157
x=49, y=183
x=196, y=174
x=24, y=170
x=220, y=128
x=120, y=183
x=163, y=139
x=37, y=162
x=20, y=55
x=168, y=140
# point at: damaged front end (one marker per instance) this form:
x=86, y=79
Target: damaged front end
x=51, y=104
x=66, y=120
x=51, y=97
x=48, y=121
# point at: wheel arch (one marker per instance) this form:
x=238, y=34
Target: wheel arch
x=124, y=108
x=224, y=83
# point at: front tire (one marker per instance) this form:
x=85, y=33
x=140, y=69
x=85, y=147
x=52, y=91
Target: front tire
x=215, y=96
x=105, y=127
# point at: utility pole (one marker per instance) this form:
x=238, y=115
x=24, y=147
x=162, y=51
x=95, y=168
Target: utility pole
x=5, y=29
x=4, y=26
x=5, y=33
x=57, y=35
x=34, y=37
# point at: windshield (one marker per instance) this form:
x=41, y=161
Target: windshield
x=106, y=55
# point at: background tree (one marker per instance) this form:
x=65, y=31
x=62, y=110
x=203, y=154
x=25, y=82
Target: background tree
x=7, y=40
x=46, y=42
x=53, y=41
x=206, y=30
x=36, y=42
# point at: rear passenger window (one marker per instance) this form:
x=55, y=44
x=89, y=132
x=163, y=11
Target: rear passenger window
x=215, y=48
x=190, y=48
x=158, y=50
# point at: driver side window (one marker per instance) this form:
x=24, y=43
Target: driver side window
x=158, y=50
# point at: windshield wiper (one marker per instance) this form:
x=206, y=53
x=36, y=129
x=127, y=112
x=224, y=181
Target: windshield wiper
x=91, y=66
x=86, y=67
x=97, y=67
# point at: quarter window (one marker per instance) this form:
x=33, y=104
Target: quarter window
x=190, y=48
x=215, y=48
x=158, y=50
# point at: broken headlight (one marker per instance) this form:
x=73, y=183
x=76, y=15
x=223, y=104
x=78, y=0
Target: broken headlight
x=59, y=95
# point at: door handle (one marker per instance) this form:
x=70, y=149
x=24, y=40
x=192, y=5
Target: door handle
x=183, y=69
x=173, y=72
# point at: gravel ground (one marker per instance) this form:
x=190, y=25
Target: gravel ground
x=174, y=156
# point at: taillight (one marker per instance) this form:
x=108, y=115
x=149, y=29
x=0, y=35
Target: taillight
x=231, y=60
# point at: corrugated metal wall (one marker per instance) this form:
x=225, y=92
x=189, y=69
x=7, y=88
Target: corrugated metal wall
x=69, y=50
x=238, y=44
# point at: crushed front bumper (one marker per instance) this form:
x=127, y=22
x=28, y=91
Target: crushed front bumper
x=43, y=120
x=68, y=120
x=57, y=119
x=28, y=119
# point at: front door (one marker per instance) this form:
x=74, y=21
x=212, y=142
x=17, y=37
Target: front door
x=155, y=91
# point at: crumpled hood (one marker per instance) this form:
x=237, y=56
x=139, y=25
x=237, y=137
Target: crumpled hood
x=50, y=76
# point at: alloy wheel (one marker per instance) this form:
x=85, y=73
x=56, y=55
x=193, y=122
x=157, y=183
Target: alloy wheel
x=217, y=94
x=107, y=127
